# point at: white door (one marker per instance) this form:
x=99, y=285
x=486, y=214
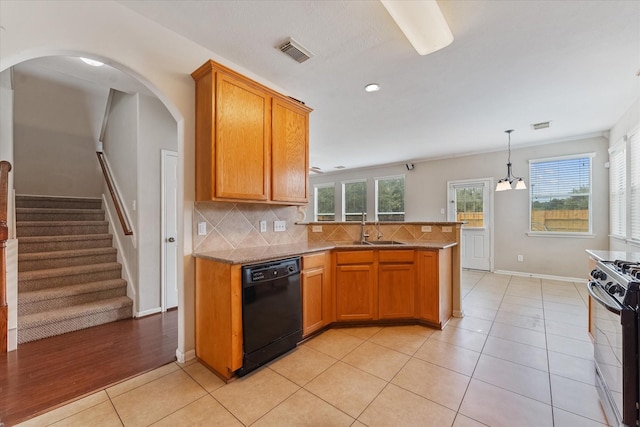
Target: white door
x=169, y=170
x=472, y=201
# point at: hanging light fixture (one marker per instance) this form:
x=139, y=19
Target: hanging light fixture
x=505, y=183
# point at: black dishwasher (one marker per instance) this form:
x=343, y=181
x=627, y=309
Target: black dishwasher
x=271, y=311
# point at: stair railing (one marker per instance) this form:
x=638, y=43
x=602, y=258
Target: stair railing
x=5, y=168
x=124, y=221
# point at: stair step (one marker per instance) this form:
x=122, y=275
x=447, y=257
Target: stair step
x=56, y=259
x=66, y=296
x=41, y=279
x=59, y=321
x=60, y=228
x=28, y=201
x=48, y=214
x=59, y=243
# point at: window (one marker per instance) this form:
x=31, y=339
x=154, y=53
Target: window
x=617, y=190
x=354, y=200
x=634, y=181
x=324, y=202
x=561, y=194
x=390, y=198
x=470, y=205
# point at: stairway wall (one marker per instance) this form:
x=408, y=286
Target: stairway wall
x=56, y=122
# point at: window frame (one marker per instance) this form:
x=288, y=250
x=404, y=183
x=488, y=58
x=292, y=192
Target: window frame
x=344, y=193
x=578, y=234
x=376, y=199
x=622, y=190
x=315, y=200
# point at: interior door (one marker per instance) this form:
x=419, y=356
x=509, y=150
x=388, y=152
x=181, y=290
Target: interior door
x=472, y=201
x=169, y=245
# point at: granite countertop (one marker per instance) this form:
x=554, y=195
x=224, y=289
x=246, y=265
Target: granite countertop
x=267, y=253
x=603, y=255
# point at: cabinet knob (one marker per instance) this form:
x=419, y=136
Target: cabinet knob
x=171, y=240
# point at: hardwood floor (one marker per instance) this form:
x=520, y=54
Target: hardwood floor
x=43, y=374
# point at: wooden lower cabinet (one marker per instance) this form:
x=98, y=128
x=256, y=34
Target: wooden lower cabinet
x=218, y=315
x=356, y=286
x=396, y=284
x=434, y=286
x=316, y=292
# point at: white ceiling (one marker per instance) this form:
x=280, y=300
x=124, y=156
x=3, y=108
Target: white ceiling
x=511, y=64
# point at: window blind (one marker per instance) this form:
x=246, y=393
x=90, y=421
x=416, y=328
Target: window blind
x=560, y=194
x=617, y=190
x=634, y=199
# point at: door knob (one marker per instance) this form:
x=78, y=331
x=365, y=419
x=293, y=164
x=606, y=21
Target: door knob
x=171, y=239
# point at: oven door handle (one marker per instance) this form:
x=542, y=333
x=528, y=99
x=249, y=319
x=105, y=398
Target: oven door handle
x=595, y=295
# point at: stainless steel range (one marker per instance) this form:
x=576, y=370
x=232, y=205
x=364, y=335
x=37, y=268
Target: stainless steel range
x=614, y=287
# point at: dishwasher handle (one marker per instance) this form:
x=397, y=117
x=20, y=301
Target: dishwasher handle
x=595, y=294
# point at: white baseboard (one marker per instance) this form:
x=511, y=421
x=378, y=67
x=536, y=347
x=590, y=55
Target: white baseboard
x=540, y=276
x=186, y=356
x=12, y=339
x=148, y=312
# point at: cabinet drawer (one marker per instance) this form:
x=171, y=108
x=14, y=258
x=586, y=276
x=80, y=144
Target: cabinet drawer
x=313, y=260
x=354, y=257
x=396, y=255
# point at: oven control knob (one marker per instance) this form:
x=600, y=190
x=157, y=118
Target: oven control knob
x=597, y=274
x=291, y=269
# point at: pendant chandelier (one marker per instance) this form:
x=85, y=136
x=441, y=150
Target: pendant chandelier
x=505, y=183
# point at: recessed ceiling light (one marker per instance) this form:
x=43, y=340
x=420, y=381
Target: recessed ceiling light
x=372, y=87
x=92, y=62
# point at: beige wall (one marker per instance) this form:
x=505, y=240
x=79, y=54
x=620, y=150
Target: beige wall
x=426, y=195
x=54, y=141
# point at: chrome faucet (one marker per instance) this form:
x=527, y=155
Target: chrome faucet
x=380, y=235
x=363, y=235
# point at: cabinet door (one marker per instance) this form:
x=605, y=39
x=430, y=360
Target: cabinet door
x=355, y=292
x=396, y=288
x=313, y=282
x=429, y=295
x=242, y=141
x=289, y=154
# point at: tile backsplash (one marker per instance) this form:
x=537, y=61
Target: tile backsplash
x=237, y=225
x=406, y=232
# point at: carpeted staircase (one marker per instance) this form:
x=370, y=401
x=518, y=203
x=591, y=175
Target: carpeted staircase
x=68, y=277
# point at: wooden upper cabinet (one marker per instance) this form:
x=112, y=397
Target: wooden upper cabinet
x=252, y=143
x=243, y=123
x=289, y=155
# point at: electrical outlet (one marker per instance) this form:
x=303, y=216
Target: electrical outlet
x=520, y=258
x=441, y=211
x=447, y=229
x=316, y=229
x=263, y=226
x=279, y=225
x=426, y=229
x=202, y=229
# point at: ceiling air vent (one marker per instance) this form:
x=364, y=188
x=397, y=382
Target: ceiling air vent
x=295, y=50
x=541, y=125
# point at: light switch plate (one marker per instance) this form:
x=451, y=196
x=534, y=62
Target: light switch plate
x=426, y=229
x=202, y=229
x=279, y=225
x=447, y=229
x=441, y=211
x=316, y=229
x=263, y=226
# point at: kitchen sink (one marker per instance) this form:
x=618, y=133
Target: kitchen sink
x=383, y=242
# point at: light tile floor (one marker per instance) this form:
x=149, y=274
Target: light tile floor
x=521, y=357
